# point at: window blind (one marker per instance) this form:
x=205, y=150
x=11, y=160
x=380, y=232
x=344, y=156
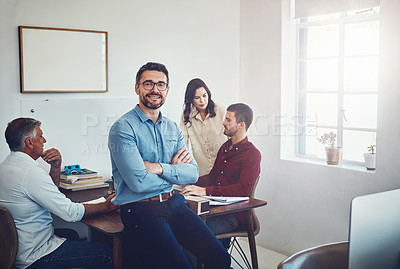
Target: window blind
x=308, y=8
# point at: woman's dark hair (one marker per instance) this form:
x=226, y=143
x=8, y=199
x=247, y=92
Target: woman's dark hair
x=191, y=88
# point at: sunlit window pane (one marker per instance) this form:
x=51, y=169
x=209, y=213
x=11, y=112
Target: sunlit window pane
x=324, y=106
x=361, y=38
x=360, y=110
x=337, y=81
x=313, y=146
x=322, y=75
x=355, y=143
x=361, y=73
x=322, y=41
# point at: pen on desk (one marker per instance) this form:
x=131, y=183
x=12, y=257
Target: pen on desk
x=222, y=200
x=214, y=199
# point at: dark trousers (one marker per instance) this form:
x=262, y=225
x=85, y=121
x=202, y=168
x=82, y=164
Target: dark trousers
x=157, y=231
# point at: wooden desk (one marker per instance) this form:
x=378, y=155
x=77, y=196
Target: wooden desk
x=111, y=223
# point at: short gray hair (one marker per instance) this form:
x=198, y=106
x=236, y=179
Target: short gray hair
x=19, y=130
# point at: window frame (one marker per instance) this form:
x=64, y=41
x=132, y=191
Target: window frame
x=296, y=24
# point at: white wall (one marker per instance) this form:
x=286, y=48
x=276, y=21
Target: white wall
x=309, y=204
x=192, y=38
x=228, y=43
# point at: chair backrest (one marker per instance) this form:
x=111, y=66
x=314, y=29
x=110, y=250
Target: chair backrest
x=329, y=256
x=8, y=239
x=256, y=222
x=254, y=188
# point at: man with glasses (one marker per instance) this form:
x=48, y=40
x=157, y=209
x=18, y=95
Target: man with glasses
x=148, y=156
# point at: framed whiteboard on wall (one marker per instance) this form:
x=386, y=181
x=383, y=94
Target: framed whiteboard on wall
x=63, y=60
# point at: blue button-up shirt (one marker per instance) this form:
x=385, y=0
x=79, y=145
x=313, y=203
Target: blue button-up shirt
x=135, y=138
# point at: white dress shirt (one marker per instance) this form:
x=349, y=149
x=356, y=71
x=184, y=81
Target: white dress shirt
x=29, y=193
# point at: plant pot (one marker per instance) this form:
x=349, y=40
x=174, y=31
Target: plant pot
x=333, y=155
x=370, y=160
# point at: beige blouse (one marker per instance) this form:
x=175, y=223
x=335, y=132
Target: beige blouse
x=206, y=137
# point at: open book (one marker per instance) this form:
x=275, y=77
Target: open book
x=216, y=200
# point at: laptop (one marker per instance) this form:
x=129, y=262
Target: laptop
x=374, y=237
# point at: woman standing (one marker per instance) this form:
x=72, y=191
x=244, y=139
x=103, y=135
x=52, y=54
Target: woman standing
x=201, y=124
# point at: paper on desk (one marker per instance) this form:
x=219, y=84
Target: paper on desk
x=96, y=201
x=178, y=187
x=224, y=200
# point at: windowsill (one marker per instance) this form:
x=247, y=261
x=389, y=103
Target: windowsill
x=354, y=166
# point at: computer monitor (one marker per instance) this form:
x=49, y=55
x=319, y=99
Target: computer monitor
x=374, y=237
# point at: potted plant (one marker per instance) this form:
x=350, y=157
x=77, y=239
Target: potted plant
x=332, y=153
x=370, y=158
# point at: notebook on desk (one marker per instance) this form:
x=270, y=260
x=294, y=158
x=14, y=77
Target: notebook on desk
x=374, y=237
x=215, y=200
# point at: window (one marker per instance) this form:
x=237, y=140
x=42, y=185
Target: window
x=336, y=79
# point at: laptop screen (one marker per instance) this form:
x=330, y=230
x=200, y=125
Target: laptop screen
x=374, y=238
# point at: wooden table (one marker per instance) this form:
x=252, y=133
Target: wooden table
x=111, y=223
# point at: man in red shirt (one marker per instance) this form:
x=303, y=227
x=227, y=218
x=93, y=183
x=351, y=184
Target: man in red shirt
x=235, y=170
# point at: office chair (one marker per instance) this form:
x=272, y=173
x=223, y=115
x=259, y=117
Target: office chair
x=329, y=256
x=67, y=233
x=242, y=232
x=8, y=239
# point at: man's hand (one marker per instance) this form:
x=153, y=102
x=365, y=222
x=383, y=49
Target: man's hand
x=53, y=157
x=100, y=208
x=154, y=168
x=110, y=205
x=193, y=190
x=182, y=156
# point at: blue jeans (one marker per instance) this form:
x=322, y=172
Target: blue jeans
x=218, y=225
x=223, y=224
x=157, y=231
x=77, y=254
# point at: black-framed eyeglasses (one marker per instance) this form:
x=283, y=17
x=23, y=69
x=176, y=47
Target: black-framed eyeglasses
x=149, y=85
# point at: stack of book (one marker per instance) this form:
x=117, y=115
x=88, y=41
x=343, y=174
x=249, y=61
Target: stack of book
x=86, y=179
